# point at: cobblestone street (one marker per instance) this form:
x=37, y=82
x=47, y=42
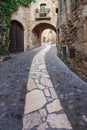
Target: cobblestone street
x=33, y=85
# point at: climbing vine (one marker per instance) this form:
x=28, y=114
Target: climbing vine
x=7, y=7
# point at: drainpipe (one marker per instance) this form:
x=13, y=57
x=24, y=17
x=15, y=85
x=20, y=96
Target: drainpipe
x=57, y=29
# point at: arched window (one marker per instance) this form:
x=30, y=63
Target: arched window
x=43, y=10
x=43, y=7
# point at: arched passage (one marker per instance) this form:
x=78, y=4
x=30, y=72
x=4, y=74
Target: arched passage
x=38, y=29
x=16, y=36
x=49, y=36
x=42, y=26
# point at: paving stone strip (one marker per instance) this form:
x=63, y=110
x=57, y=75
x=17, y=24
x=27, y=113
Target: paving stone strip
x=43, y=110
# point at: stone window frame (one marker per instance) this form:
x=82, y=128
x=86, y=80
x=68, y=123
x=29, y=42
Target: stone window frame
x=43, y=8
x=43, y=5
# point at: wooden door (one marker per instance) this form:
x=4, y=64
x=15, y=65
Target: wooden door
x=16, y=37
x=72, y=52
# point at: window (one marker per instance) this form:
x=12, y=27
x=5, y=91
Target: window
x=56, y=10
x=42, y=7
x=43, y=10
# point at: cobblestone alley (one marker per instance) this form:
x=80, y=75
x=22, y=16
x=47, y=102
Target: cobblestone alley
x=39, y=92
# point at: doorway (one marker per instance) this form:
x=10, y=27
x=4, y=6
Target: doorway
x=16, y=37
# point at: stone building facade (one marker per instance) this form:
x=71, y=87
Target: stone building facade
x=40, y=15
x=72, y=27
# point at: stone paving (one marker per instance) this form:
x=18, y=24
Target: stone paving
x=43, y=110
x=28, y=100
x=13, y=81
x=71, y=90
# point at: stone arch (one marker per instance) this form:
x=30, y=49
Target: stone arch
x=38, y=29
x=20, y=21
x=16, y=36
x=43, y=26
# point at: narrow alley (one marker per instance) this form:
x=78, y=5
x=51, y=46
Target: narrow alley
x=43, y=65
x=43, y=94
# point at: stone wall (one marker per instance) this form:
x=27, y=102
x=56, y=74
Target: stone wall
x=32, y=27
x=22, y=16
x=72, y=30
x=50, y=4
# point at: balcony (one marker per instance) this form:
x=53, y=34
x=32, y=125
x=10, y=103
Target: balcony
x=42, y=14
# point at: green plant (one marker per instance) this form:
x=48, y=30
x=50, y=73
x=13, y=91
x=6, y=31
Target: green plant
x=4, y=50
x=7, y=7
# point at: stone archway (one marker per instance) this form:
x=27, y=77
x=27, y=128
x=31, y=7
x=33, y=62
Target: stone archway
x=16, y=37
x=48, y=36
x=38, y=29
